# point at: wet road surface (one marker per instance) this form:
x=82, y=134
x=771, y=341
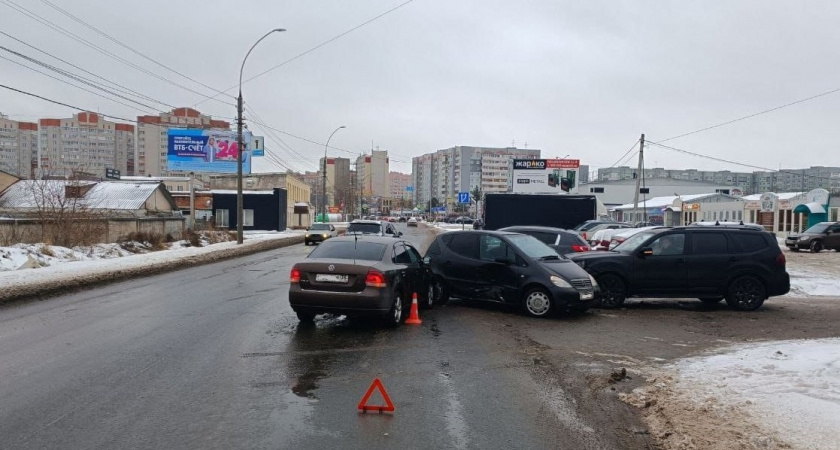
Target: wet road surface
x=213, y=357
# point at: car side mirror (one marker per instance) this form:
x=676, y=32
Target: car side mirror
x=427, y=260
x=645, y=252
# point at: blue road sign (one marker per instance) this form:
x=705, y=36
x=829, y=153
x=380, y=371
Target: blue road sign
x=463, y=197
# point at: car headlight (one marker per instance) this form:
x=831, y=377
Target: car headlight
x=325, y=236
x=559, y=282
x=594, y=283
x=804, y=237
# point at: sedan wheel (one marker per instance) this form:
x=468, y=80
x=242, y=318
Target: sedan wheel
x=537, y=303
x=613, y=291
x=816, y=246
x=746, y=294
x=395, y=315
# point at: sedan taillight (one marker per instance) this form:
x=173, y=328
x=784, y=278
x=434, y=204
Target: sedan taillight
x=375, y=279
x=605, y=245
x=580, y=248
x=294, y=277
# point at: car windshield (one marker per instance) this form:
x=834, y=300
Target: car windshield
x=368, y=251
x=818, y=228
x=319, y=227
x=366, y=228
x=532, y=247
x=633, y=242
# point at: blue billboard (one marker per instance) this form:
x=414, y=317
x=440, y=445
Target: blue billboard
x=193, y=150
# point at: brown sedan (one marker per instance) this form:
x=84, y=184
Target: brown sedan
x=360, y=276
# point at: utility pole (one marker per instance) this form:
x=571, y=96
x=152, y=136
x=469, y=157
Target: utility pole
x=240, y=149
x=639, y=177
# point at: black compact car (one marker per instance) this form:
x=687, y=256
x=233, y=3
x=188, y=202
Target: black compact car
x=824, y=235
x=372, y=228
x=360, y=276
x=743, y=265
x=562, y=241
x=508, y=267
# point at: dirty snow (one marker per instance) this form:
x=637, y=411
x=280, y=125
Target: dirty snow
x=790, y=387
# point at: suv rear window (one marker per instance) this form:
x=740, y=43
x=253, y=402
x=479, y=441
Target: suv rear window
x=365, y=228
x=368, y=251
x=750, y=242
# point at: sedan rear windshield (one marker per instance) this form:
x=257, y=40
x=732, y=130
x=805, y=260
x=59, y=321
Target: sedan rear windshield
x=368, y=251
x=367, y=228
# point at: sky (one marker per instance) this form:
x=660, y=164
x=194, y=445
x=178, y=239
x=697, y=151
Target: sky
x=583, y=79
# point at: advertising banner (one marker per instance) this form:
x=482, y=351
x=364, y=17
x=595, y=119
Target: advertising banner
x=193, y=150
x=545, y=176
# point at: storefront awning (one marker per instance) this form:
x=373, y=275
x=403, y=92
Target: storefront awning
x=674, y=209
x=810, y=208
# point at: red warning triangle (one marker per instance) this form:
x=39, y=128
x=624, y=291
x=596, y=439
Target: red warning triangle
x=387, y=407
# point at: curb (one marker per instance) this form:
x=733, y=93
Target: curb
x=70, y=283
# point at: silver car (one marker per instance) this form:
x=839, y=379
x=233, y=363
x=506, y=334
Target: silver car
x=319, y=232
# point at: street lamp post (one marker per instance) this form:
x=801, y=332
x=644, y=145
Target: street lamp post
x=324, y=176
x=240, y=143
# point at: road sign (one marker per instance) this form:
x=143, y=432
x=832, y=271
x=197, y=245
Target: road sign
x=463, y=197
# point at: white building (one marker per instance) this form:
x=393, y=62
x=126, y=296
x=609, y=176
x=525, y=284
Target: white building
x=613, y=193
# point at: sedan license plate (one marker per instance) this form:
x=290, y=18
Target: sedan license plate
x=330, y=278
x=586, y=295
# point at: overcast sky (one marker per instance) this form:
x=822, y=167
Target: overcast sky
x=578, y=78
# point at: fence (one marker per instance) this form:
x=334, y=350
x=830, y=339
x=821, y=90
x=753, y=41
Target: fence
x=32, y=231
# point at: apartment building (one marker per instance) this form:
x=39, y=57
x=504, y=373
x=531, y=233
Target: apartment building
x=801, y=180
x=18, y=147
x=444, y=173
x=85, y=143
x=153, y=142
x=399, y=183
x=372, y=174
x=338, y=180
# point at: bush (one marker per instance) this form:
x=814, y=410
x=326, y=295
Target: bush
x=156, y=241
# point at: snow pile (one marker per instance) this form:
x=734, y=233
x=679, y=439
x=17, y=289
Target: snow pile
x=810, y=282
x=791, y=387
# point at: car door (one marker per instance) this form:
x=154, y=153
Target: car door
x=460, y=263
x=497, y=272
x=409, y=267
x=832, y=237
x=665, y=271
x=709, y=260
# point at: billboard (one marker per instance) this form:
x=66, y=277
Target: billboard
x=545, y=176
x=195, y=150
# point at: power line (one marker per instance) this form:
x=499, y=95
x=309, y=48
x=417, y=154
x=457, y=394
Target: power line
x=328, y=41
x=119, y=87
x=754, y=114
x=99, y=49
x=127, y=47
x=626, y=153
x=72, y=76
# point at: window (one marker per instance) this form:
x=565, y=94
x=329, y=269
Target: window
x=596, y=190
x=670, y=244
x=433, y=249
x=465, y=244
x=401, y=255
x=367, y=251
x=709, y=244
x=750, y=242
x=492, y=248
x=222, y=218
x=247, y=217
x=545, y=238
x=413, y=253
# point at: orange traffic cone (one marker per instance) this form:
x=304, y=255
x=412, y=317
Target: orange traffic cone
x=414, y=317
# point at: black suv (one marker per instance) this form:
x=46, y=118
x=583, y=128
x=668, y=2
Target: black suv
x=741, y=264
x=508, y=267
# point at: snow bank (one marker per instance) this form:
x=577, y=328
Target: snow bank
x=792, y=387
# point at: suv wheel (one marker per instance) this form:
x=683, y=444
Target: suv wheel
x=746, y=294
x=816, y=246
x=537, y=302
x=613, y=291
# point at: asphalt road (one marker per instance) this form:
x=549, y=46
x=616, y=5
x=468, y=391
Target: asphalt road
x=213, y=357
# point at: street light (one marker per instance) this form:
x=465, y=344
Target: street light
x=324, y=176
x=240, y=143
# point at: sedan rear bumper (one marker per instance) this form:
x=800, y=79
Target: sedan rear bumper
x=370, y=302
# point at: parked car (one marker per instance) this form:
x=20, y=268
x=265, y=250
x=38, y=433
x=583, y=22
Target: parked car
x=402, y=219
x=619, y=236
x=587, y=234
x=412, y=222
x=589, y=224
x=372, y=227
x=562, y=241
x=824, y=235
x=600, y=240
x=360, y=276
x=464, y=220
x=478, y=224
x=507, y=267
x=319, y=232
x=743, y=265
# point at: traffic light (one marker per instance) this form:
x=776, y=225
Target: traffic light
x=565, y=185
